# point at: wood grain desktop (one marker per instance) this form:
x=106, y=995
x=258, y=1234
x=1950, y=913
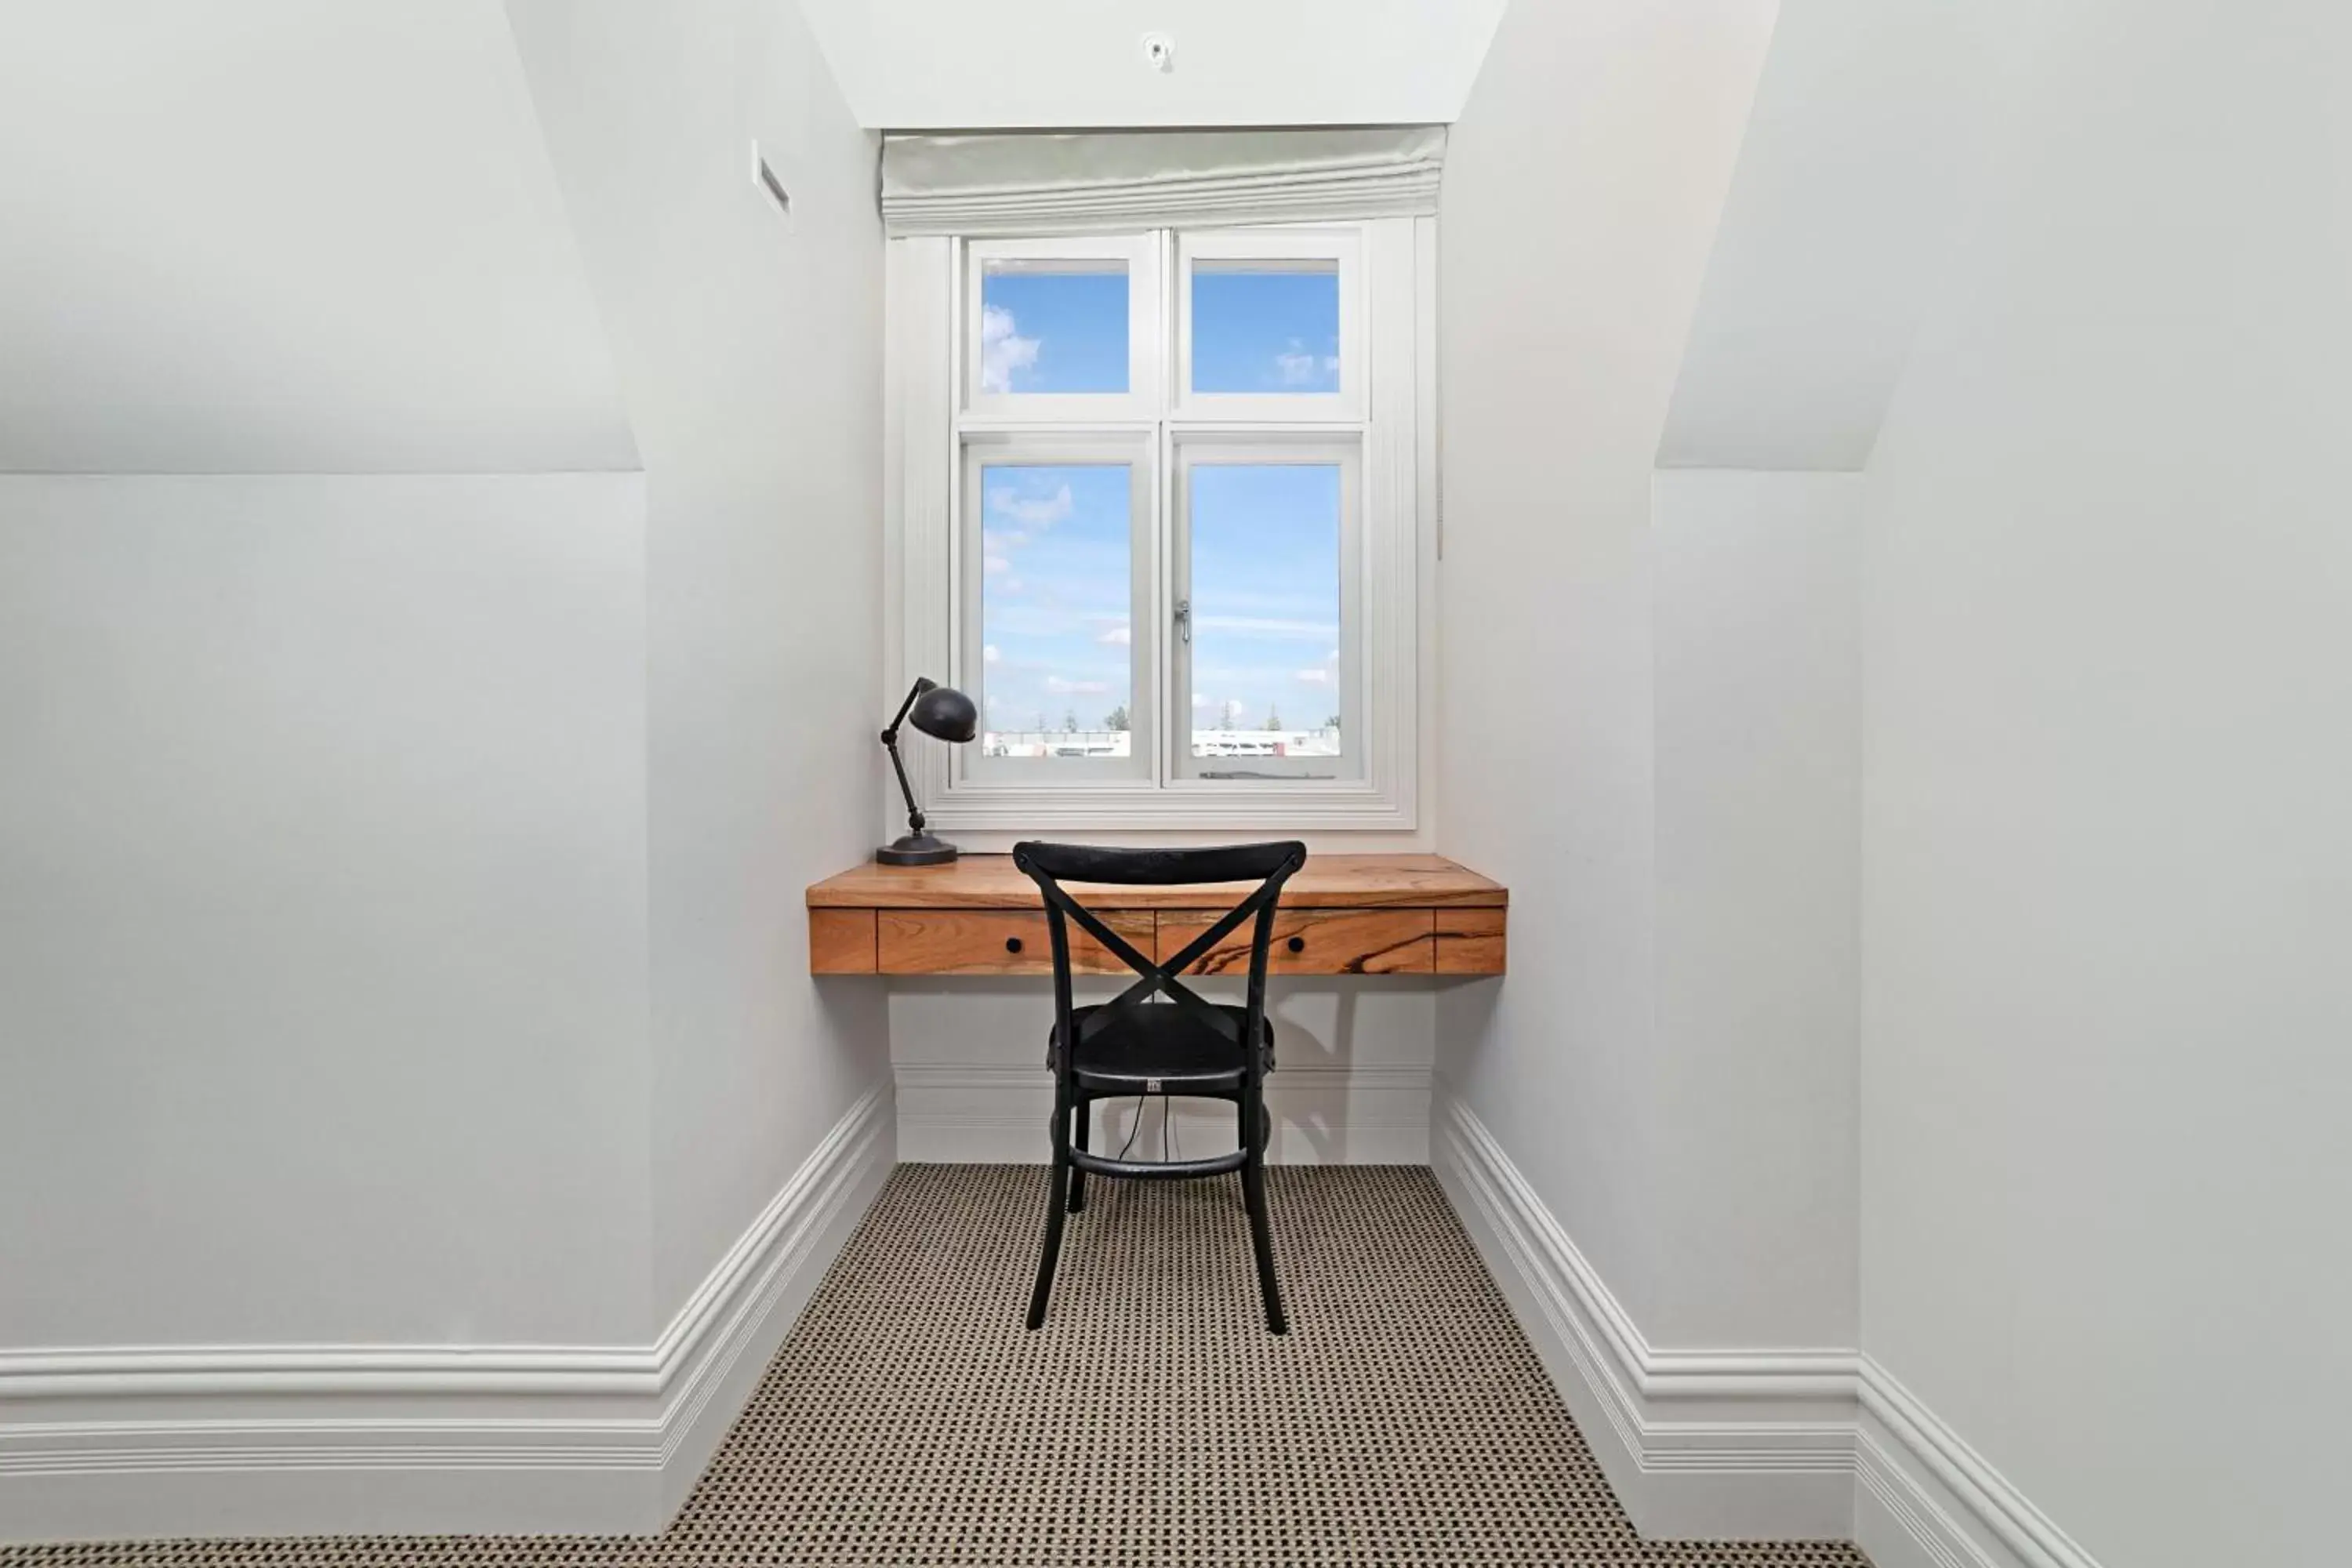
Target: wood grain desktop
x=1342, y=914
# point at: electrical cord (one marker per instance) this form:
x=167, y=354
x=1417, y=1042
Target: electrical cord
x=1134, y=1125
x=1167, y=1127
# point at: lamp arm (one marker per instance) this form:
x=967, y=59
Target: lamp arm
x=890, y=745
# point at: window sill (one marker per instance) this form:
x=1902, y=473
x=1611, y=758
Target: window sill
x=1274, y=805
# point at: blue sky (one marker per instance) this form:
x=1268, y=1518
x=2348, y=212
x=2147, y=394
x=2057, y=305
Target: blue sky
x=1056, y=586
x=1266, y=331
x=1053, y=331
x=1253, y=332
x=1055, y=594
x=1265, y=592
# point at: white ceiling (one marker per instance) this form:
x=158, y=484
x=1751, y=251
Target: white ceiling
x=1843, y=203
x=273, y=236
x=1079, y=64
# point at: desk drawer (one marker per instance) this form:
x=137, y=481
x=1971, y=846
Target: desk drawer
x=841, y=941
x=996, y=941
x=1314, y=941
x=1471, y=940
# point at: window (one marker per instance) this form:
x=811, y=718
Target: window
x=1266, y=326
x=1064, y=525
x=1061, y=329
x=1263, y=557
x=1162, y=499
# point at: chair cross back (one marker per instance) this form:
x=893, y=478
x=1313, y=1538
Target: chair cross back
x=1158, y=979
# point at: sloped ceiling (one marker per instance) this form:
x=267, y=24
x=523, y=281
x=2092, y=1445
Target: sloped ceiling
x=1079, y=64
x=275, y=235
x=1846, y=196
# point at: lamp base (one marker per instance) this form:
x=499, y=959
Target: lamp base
x=915, y=849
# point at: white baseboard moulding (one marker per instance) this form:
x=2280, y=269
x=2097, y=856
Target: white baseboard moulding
x=1777, y=1443
x=954, y=1113
x=132, y=1443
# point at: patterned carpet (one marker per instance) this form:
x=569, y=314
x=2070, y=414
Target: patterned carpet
x=908, y=1419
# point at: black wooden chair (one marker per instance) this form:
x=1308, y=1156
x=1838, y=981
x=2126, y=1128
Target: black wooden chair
x=1135, y=1045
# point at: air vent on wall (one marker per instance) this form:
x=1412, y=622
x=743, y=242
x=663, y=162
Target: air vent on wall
x=768, y=182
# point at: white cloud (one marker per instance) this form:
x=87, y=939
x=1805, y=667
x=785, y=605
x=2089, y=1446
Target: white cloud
x=1039, y=512
x=1117, y=637
x=995, y=563
x=1002, y=350
x=1200, y=699
x=1315, y=677
x=1061, y=688
x=1295, y=366
x=998, y=541
x=989, y=655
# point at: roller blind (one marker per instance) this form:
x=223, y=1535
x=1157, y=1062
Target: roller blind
x=1108, y=180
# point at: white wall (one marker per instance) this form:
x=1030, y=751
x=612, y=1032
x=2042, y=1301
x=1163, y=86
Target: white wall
x=1840, y=212
x=2105, y=878
x=1073, y=64
x=322, y=973
x=2107, y=883
x=750, y=348
x=1758, y=672
x=269, y=237
x=405, y=997
x=1581, y=189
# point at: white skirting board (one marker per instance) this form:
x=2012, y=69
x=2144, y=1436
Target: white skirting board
x=263, y=1440
x=1322, y=1116
x=1774, y=1444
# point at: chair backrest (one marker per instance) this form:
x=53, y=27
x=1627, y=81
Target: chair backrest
x=1051, y=864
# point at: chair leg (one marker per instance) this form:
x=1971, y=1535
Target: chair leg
x=1262, y=1227
x=1081, y=1123
x=1058, y=1197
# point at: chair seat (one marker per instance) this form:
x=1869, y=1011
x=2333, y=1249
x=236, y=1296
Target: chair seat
x=1164, y=1045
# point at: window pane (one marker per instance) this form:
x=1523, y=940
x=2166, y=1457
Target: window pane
x=1266, y=609
x=1266, y=326
x=1056, y=601
x=1053, y=326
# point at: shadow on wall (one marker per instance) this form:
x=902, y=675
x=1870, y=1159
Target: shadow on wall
x=1308, y=1096
x=1351, y=1083
x=1465, y=1026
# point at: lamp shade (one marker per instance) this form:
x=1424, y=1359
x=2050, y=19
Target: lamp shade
x=945, y=714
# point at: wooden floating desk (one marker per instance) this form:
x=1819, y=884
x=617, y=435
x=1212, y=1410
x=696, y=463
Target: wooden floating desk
x=1342, y=914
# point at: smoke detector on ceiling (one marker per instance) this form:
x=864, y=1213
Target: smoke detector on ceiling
x=1159, y=52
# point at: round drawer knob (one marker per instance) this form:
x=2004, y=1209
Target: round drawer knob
x=1297, y=945
x=1013, y=944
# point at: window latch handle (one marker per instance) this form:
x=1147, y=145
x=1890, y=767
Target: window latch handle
x=1184, y=619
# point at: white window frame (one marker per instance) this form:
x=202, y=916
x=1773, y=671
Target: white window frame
x=1386, y=405
x=1342, y=247
x=1059, y=446
x=1192, y=448
x=1141, y=400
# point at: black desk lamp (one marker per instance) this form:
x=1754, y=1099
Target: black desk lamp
x=945, y=714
